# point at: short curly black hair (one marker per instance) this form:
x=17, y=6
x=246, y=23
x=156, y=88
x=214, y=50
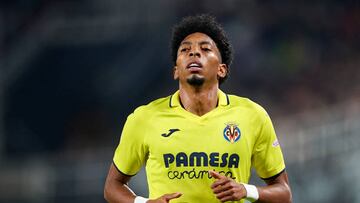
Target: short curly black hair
x=206, y=24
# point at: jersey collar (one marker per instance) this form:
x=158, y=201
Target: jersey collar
x=175, y=99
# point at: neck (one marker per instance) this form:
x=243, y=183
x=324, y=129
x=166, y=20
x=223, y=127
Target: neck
x=199, y=100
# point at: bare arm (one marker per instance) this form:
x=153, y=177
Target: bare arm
x=276, y=191
x=117, y=191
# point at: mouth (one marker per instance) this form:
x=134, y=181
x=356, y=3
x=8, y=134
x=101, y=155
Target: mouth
x=194, y=66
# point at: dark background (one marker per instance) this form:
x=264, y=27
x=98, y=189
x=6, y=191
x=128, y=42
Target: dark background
x=71, y=72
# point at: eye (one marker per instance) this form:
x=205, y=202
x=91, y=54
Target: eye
x=184, y=49
x=206, y=49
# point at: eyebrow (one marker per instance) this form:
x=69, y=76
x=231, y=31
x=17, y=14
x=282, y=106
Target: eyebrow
x=190, y=43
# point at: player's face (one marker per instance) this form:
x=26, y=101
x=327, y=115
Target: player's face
x=199, y=61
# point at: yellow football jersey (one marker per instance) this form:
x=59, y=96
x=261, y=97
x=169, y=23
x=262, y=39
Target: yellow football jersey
x=179, y=148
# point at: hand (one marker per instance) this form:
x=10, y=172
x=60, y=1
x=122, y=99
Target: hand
x=226, y=189
x=165, y=198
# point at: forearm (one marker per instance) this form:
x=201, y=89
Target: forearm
x=118, y=193
x=275, y=193
x=116, y=190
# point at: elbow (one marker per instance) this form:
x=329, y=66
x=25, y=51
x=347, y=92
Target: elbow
x=289, y=194
x=290, y=198
x=106, y=193
x=106, y=196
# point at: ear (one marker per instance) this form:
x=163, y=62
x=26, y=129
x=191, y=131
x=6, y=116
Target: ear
x=222, y=70
x=176, y=73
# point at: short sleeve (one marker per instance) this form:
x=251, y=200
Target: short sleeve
x=131, y=153
x=267, y=158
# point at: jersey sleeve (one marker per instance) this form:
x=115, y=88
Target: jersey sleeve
x=267, y=156
x=130, y=154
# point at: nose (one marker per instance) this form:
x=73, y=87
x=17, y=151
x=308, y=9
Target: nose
x=195, y=52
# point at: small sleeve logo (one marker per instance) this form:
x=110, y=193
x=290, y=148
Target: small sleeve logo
x=275, y=143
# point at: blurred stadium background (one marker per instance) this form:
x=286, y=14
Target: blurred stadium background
x=71, y=71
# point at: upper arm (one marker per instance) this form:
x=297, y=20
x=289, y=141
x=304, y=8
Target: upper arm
x=281, y=178
x=269, y=163
x=267, y=157
x=115, y=175
x=277, y=189
x=116, y=189
x=128, y=159
x=131, y=153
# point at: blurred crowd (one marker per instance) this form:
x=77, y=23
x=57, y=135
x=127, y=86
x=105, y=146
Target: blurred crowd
x=89, y=64
x=71, y=71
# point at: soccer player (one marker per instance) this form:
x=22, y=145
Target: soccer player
x=199, y=144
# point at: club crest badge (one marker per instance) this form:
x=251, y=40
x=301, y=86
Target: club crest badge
x=232, y=133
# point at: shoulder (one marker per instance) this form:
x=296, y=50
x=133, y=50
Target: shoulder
x=147, y=110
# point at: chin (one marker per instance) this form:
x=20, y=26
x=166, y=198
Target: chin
x=195, y=80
